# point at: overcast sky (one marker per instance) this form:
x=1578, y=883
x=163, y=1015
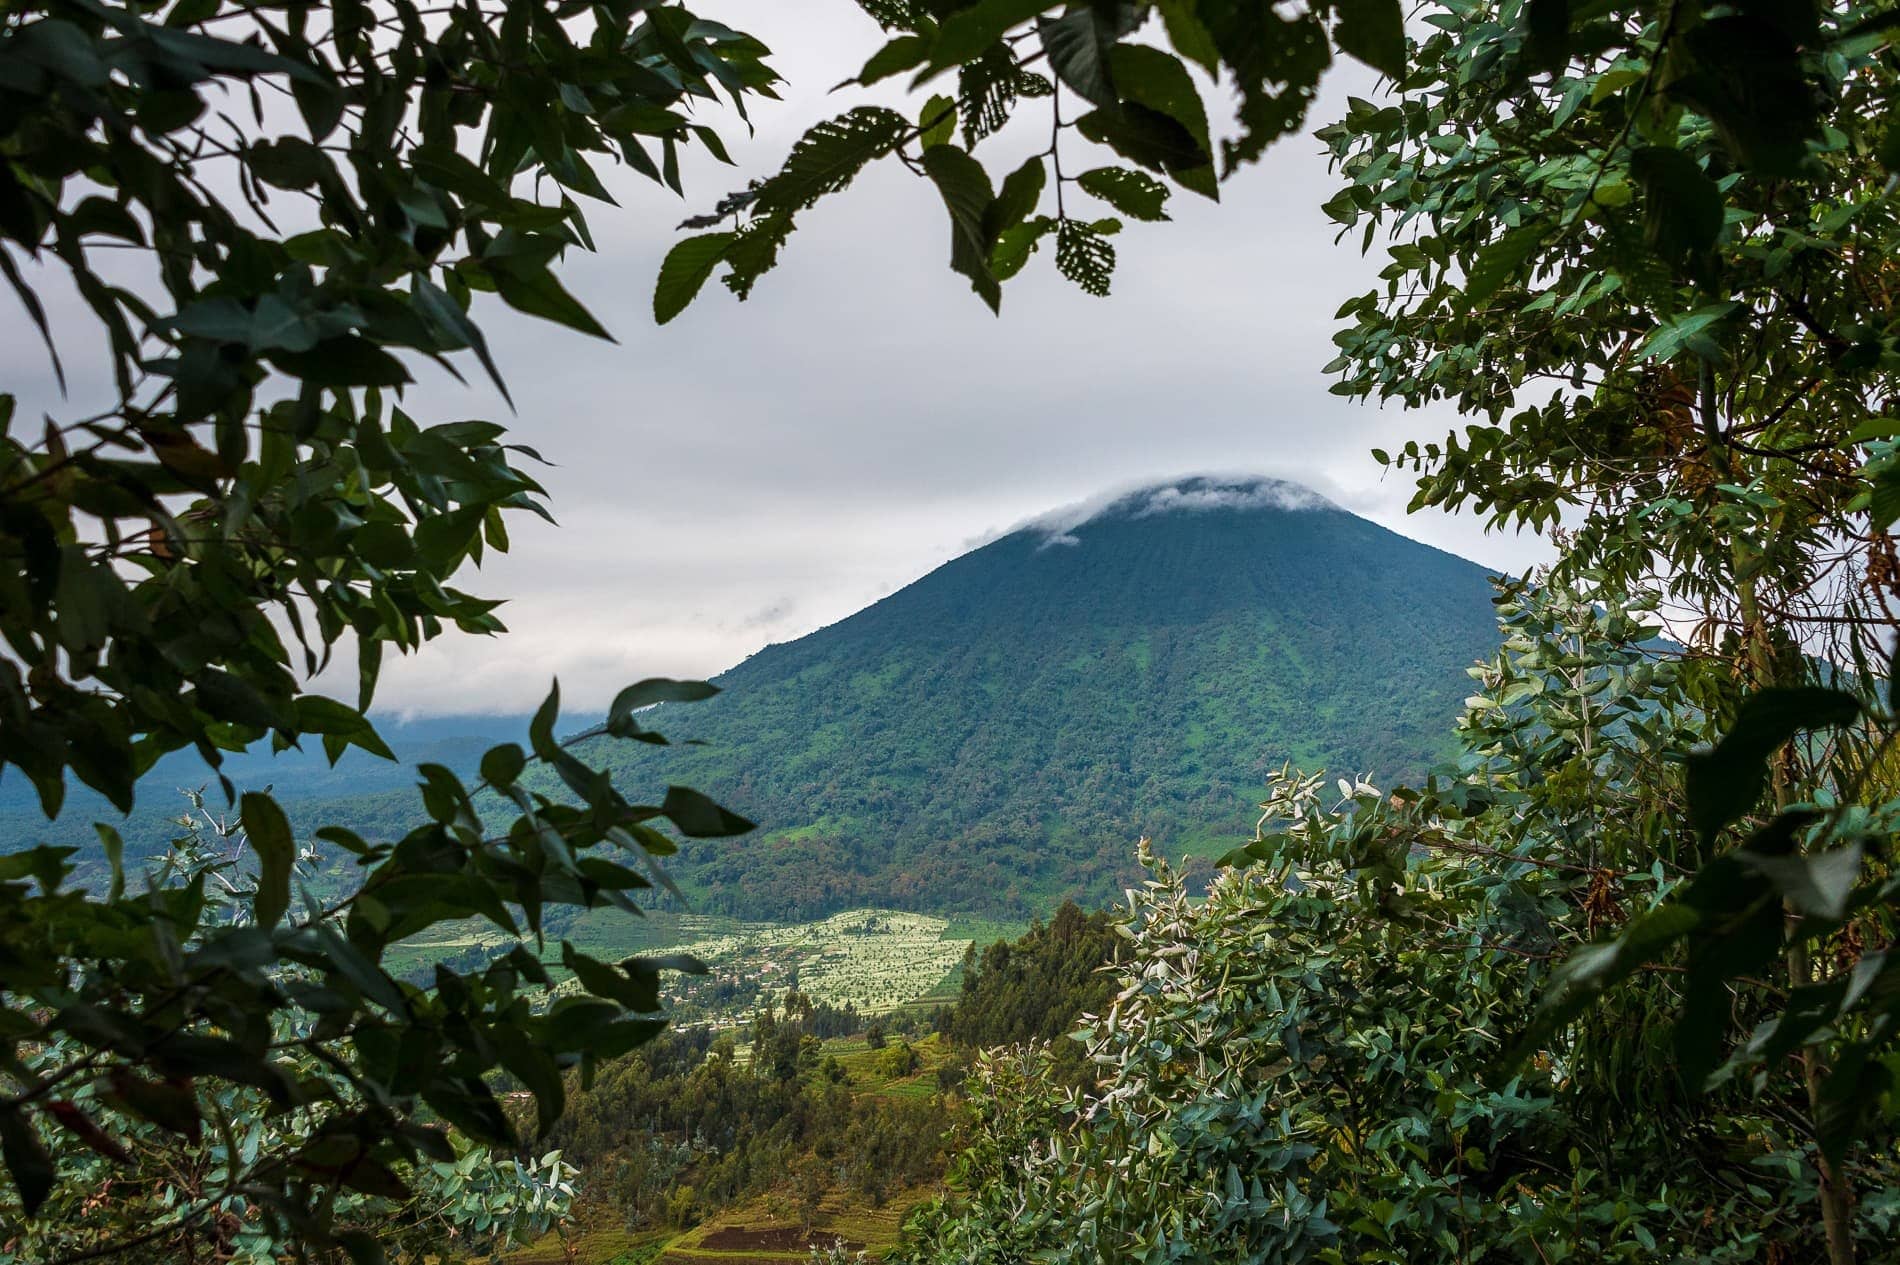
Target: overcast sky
x=754, y=471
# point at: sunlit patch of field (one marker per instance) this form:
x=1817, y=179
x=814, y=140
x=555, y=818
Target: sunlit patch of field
x=876, y=960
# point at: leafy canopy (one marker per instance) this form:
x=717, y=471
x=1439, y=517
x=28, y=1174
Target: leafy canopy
x=310, y=197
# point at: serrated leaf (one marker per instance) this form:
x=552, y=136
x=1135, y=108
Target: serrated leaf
x=969, y=32
x=1079, y=45
x=830, y=155
x=1134, y=193
x=684, y=272
x=1085, y=257
x=965, y=188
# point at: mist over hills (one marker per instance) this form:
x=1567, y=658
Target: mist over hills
x=995, y=736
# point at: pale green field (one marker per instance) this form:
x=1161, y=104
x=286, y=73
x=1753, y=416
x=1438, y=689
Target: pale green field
x=876, y=960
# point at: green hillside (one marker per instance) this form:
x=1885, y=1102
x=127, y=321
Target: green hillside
x=995, y=736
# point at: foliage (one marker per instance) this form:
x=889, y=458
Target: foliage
x=307, y=194
x=1645, y=250
x=1035, y=988
x=1122, y=70
x=685, y=1126
x=132, y=1154
x=1297, y=1066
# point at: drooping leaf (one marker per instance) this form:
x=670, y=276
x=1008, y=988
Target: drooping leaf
x=267, y=831
x=1724, y=783
x=965, y=188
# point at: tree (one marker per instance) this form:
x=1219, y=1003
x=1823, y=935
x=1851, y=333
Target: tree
x=1658, y=285
x=316, y=193
x=120, y=1169
x=1299, y=1065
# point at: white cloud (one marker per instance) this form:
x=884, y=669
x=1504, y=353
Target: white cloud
x=1184, y=495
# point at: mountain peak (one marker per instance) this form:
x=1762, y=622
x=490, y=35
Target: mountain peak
x=1190, y=494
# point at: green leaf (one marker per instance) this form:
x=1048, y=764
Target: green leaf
x=936, y=121
x=654, y=690
x=699, y=817
x=1816, y=885
x=1690, y=331
x=1498, y=263
x=1725, y=783
x=1085, y=256
x=1189, y=37
x=1546, y=35
x=349, y=361
x=830, y=155
x=289, y=162
x=26, y=1157
x=534, y=290
x=115, y=857
x=1153, y=140
x=1079, y=44
x=267, y=830
x=1682, y=207
x=1015, y=245
x=501, y=765
x=1374, y=32
x=685, y=270
x=452, y=326
x=965, y=188
x=1158, y=80
x=899, y=55
x=1017, y=199
x=1135, y=194
x=969, y=32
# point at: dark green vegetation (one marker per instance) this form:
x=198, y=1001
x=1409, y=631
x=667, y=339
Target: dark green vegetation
x=814, y=1103
x=689, y=1125
x=994, y=737
x=1033, y=989
x=244, y=495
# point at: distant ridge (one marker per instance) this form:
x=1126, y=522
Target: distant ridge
x=994, y=737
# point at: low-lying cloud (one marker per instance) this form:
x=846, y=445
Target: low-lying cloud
x=1188, y=495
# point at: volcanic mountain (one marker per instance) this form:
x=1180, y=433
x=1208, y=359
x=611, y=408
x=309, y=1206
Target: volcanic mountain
x=997, y=735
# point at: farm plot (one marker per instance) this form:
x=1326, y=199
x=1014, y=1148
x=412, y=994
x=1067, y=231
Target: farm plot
x=872, y=959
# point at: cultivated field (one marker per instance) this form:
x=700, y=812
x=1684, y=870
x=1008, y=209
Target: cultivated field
x=876, y=960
